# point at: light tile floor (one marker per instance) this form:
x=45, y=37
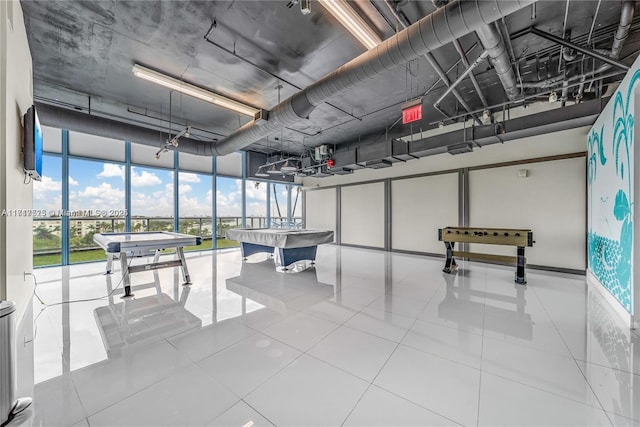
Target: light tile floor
x=365, y=338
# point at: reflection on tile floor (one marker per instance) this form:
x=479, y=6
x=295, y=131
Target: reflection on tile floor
x=363, y=338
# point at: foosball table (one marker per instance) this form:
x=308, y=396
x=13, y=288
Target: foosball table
x=492, y=236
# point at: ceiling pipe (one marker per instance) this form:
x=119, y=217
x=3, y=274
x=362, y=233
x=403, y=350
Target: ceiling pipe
x=626, y=16
x=464, y=75
x=499, y=58
x=404, y=22
x=64, y=118
x=450, y=89
x=474, y=81
x=566, y=43
x=451, y=22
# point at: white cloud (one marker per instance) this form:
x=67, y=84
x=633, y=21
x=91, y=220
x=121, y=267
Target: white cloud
x=46, y=184
x=103, y=196
x=72, y=181
x=227, y=206
x=188, y=177
x=144, y=179
x=109, y=170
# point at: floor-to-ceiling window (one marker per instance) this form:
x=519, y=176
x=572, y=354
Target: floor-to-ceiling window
x=256, y=204
x=152, y=206
x=94, y=185
x=195, y=207
x=279, y=205
x=229, y=196
x=96, y=193
x=96, y=205
x=228, y=208
x=47, y=204
x=296, y=209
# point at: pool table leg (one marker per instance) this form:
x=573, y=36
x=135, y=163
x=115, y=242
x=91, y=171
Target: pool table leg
x=109, y=262
x=125, y=275
x=185, y=270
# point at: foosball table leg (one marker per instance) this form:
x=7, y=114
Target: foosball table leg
x=450, y=263
x=520, y=275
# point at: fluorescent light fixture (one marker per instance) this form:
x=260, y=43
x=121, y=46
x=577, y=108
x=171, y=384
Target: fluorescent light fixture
x=191, y=90
x=352, y=22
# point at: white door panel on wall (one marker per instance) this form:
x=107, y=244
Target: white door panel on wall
x=550, y=200
x=362, y=215
x=419, y=206
x=320, y=209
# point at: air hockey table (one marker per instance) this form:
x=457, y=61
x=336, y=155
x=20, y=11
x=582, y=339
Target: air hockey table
x=124, y=245
x=290, y=245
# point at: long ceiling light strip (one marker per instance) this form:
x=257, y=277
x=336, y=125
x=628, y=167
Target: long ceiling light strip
x=191, y=90
x=352, y=22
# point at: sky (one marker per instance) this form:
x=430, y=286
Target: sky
x=99, y=185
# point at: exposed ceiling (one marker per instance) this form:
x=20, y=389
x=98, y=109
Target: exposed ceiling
x=262, y=52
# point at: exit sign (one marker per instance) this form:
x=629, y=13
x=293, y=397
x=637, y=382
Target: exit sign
x=412, y=111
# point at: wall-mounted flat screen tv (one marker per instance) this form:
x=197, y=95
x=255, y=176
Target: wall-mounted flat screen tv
x=32, y=144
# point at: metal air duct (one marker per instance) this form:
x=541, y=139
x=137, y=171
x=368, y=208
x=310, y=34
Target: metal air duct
x=446, y=24
x=499, y=58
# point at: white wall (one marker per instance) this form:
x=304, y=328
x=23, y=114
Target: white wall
x=16, y=231
x=320, y=209
x=551, y=201
x=420, y=204
x=16, y=95
x=362, y=215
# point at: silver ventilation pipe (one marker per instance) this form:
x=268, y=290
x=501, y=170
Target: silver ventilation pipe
x=404, y=22
x=446, y=24
x=499, y=58
x=626, y=16
x=50, y=115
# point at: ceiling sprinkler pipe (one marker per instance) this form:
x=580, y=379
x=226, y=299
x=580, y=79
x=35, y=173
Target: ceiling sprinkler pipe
x=441, y=27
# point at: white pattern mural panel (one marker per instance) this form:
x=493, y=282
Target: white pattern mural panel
x=610, y=175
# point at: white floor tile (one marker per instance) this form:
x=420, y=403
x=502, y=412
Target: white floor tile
x=240, y=415
x=358, y=353
x=446, y=388
x=617, y=391
x=381, y=323
x=56, y=403
x=247, y=364
x=308, y=392
x=381, y=408
x=333, y=312
x=466, y=314
x=408, y=307
x=198, y=344
x=301, y=331
x=362, y=315
x=547, y=371
x=509, y=403
x=135, y=369
x=200, y=400
x=620, y=421
x=452, y=344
